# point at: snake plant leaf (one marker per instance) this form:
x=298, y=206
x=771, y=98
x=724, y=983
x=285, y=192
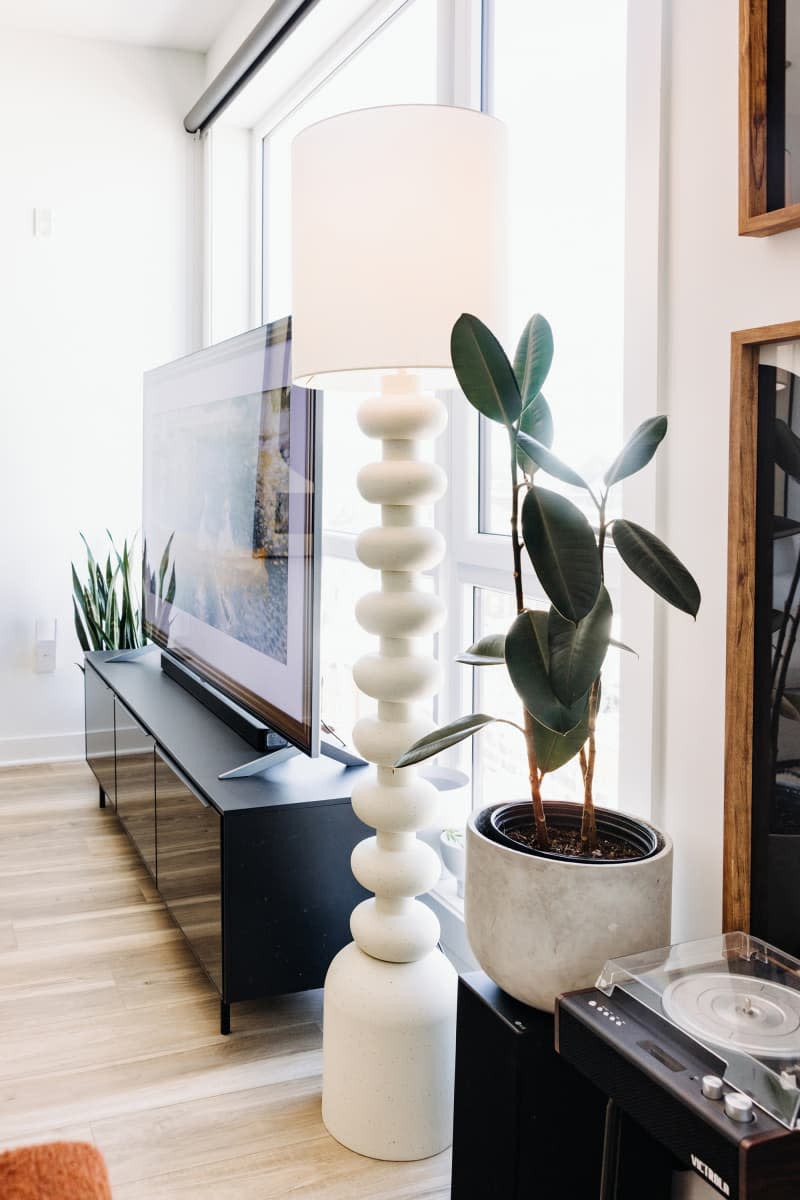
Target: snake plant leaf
x=89, y=555
x=83, y=600
x=164, y=564
x=443, y=738
x=553, y=750
x=536, y=421
x=638, y=450
x=170, y=596
x=787, y=450
x=543, y=457
x=527, y=662
x=484, y=373
x=563, y=551
x=656, y=565
x=533, y=357
x=577, y=652
x=90, y=614
x=488, y=651
x=79, y=629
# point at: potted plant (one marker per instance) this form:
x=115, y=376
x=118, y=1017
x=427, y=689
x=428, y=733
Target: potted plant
x=105, y=602
x=553, y=889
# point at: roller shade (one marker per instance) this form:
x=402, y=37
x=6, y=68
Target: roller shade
x=282, y=17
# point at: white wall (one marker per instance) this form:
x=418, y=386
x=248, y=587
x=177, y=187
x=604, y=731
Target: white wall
x=716, y=282
x=94, y=132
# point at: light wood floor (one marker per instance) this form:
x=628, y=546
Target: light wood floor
x=109, y=1030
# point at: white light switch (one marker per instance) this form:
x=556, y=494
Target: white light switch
x=42, y=222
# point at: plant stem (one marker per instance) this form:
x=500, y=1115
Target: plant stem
x=542, y=837
x=588, y=821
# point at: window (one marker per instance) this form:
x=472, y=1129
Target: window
x=374, y=72
x=556, y=75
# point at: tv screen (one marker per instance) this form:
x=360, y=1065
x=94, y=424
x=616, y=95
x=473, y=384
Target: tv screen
x=231, y=577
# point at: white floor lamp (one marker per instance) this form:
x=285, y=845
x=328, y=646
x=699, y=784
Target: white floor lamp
x=397, y=229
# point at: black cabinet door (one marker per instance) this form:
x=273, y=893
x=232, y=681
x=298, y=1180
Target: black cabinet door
x=136, y=784
x=99, y=701
x=189, y=872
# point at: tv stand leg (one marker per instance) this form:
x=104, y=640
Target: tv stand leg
x=224, y=1017
x=102, y=797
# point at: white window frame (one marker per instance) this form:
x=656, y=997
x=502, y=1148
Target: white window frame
x=483, y=559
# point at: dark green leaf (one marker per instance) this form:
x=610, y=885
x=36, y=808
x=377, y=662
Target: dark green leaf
x=543, y=457
x=555, y=749
x=444, y=738
x=162, y=569
x=638, y=450
x=527, y=662
x=94, y=630
x=656, y=565
x=486, y=652
x=170, y=596
x=537, y=422
x=79, y=629
x=787, y=450
x=533, y=358
x=563, y=551
x=577, y=651
x=483, y=371
x=621, y=646
x=83, y=603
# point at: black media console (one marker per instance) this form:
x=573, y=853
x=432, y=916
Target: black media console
x=254, y=871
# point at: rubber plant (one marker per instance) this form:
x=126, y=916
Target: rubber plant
x=554, y=658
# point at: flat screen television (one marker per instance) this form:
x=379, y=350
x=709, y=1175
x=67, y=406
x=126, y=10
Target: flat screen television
x=230, y=529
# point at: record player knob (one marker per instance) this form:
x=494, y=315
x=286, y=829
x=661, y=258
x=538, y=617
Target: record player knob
x=739, y=1107
x=711, y=1086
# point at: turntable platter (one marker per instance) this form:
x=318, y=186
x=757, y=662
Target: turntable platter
x=753, y=1015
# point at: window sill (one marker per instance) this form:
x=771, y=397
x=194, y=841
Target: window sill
x=448, y=906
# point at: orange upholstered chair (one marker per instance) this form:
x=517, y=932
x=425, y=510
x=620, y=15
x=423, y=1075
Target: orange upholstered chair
x=54, y=1171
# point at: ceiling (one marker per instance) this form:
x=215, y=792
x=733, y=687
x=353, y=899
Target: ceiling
x=173, y=24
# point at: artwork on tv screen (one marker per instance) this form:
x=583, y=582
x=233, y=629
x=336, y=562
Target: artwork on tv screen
x=230, y=581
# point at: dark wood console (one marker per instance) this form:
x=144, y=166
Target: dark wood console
x=254, y=871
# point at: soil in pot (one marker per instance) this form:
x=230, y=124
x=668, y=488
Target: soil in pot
x=619, y=837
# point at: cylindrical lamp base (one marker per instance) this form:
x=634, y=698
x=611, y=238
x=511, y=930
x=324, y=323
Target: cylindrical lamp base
x=389, y=1054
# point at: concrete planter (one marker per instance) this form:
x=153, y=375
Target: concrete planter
x=540, y=926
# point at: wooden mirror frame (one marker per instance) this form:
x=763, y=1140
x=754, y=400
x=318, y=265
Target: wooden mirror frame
x=755, y=151
x=737, y=845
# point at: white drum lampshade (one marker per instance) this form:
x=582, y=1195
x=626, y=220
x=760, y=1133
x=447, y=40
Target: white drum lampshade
x=398, y=228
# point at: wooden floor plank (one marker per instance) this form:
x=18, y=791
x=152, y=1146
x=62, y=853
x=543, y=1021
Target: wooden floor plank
x=110, y=1030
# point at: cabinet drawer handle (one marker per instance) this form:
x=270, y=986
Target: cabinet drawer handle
x=184, y=780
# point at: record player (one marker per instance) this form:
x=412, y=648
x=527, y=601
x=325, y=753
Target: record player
x=698, y=1044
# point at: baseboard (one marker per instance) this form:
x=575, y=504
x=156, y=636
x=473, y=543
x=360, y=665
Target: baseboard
x=41, y=748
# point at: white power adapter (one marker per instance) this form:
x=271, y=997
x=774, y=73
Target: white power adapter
x=44, y=657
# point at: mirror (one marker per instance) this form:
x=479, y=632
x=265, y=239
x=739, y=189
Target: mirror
x=762, y=739
x=769, y=116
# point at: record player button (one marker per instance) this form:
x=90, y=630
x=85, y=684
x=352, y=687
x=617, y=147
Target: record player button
x=739, y=1107
x=712, y=1087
